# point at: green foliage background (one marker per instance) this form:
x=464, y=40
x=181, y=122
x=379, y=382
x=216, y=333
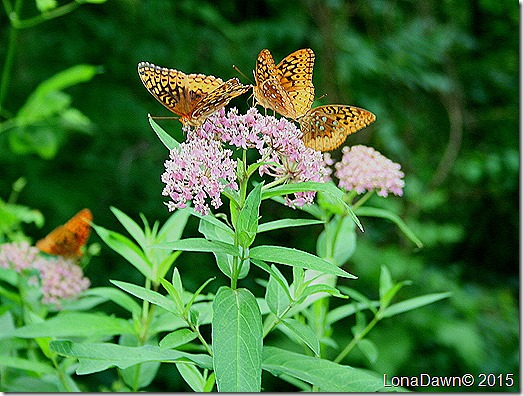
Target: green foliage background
x=442, y=78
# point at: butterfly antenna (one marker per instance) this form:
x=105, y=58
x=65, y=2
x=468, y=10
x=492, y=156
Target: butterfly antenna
x=241, y=73
x=322, y=96
x=162, y=118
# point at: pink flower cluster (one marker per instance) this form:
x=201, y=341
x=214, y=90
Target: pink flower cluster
x=278, y=141
x=364, y=169
x=200, y=169
x=59, y=278
x=18, y=256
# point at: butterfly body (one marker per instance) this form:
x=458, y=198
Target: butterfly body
x=286, y=87
x=69, y=239
x=193, y=97
x=326, y=127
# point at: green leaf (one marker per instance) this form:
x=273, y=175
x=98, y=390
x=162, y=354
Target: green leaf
x=237, y=341
x=247, y=223
x=47, y=99
x=46, y=5
x=303, y=333
x=126, y=248
x=214, y=230
x=31, y=365
x=167, y=140
x=369, y=349
x=385, y=283
x=116, y=296
x=178, y=338
x=101, y=356
x=277, y=294
x=74, y=325
x=191, y=376
x=337, y=240
x=324, y=374
x=329, y=189
x=296, y=258
x=367, y=211
x=284, y=223
x=140, y=375
x=148, y=295
x=346, y=310
x=200, y=245
x=172, y=229
x=414, y=303
x=131, y=226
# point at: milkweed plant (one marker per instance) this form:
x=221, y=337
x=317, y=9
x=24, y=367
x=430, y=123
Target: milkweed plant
x=54, y=330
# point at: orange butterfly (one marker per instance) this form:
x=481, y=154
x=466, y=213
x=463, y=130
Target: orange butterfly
x=193, y=97
x=326, y=127
x=69, y=239
x=287, y=87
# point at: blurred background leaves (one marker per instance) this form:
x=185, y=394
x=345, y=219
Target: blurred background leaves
x=442, y=78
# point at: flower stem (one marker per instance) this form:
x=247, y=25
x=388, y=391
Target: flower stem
x=362, y=200
x=358, y=337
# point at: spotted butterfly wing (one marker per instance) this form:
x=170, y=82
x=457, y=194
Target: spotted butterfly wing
x=193, y=97
x=326, y=127
x=287, y=87
x=296, y=79
x=69, y=239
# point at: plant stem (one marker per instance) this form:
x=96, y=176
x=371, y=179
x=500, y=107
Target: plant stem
x=362, y=200
x=10, y=56
x=358, y=337
x=45, y=16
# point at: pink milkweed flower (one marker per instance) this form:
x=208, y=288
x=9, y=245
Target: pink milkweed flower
x=279, y=143
x=61, y=279
x=364, y=169
x=18, y=256
x=200, y=170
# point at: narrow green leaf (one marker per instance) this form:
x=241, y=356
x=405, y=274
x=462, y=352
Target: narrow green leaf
x=296, y=258
x=126, y=248
x=338, y=240
x=303, y=333
x=172, y=229
x=346, y=310
x=385, y=282
x=284, y=223
x=200, y=245
x=237, y=341
x=414, y=303
x=131, y=226
x=116, y=296
x=247, y=223
x=148, y=295
x=367, y=211
x=101, y=356
x=214, y=230
x=167, y=140
x=277, y=294
x=74, y=325
x=178, y=338
x=329, y=189
x=369, y=349
x=324, y=374
x=191, y=376
x=30, y=365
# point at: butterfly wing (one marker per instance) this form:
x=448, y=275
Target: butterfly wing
x=268, y=91
x=326, y=127
x=295, y=76
x=217, y=98
x=69, y=239
x=177, y=91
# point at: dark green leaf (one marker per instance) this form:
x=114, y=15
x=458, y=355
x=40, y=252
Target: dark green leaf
x=237, y=341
